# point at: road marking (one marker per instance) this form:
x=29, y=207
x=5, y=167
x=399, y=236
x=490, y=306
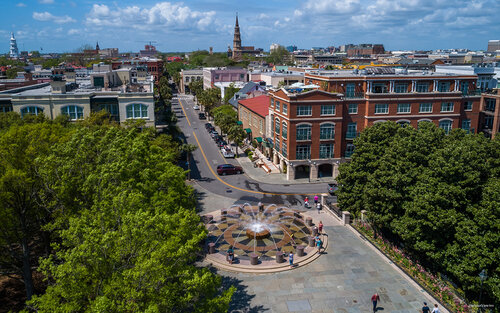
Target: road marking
x=227, y=184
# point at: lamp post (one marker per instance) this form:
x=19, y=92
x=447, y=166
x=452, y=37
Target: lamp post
x=310, y=170
x=482, y=277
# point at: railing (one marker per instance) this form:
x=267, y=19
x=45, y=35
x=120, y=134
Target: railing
x=304, y=137
x=476, y=92
x=334, y=209
x=354, y=95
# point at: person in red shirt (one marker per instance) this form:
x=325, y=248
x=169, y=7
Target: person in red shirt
x=320, y=227
x=375, y=299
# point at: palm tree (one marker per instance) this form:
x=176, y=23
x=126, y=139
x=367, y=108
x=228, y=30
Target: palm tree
x=236, y=134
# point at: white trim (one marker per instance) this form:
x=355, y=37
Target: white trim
x=406, y=121
x=303, y=123
x=424, y=120
x=316, y=119
x=446, y=119
x=379, y=121
x=327, y=122
x=412, y=116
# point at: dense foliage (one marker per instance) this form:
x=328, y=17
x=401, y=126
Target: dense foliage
x=436, y=195
x=109, y=214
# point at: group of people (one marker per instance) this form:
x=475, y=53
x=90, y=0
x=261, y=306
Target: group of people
x=317, y=204
x=425, y=308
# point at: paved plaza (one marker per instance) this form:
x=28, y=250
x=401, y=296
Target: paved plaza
x=341, y=280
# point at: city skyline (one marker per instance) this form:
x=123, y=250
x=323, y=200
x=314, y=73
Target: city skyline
x=64, y=26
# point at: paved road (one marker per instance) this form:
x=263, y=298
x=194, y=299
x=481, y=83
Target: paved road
x=207, y=157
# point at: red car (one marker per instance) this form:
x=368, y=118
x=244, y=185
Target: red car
x=225, y=169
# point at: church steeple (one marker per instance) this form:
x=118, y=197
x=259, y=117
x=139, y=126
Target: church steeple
x=97, y=46
x=237, y=40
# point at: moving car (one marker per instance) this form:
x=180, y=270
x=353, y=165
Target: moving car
x=202, y=116
x=196, y=107
x=225, y=169
x=332, y=188
x=227, y=153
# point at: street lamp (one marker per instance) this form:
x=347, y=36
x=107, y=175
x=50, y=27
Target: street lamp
x=482, y=277
x=309, y=176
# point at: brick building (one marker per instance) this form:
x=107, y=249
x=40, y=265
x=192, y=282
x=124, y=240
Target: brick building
x=365, y=50
x=489, y=121
x=154, y=66
x=253, y=114
x=313, y=131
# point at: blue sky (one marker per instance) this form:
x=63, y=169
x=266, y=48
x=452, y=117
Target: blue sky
x=66, y=25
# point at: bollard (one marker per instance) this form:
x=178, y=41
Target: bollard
x=223, y=214
x=309, y=221
x=279, y=257
x=300, y=250
x=311, y=241
x=254, y=258
x=211, y=248
x=208, y=219
x=315, y=231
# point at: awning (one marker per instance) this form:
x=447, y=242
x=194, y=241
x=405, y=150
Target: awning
x=259, y=139
x=239, y=122
x=248, y=130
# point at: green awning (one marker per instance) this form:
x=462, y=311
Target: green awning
x=248, y=130
x=259, y=139
x=239, y=122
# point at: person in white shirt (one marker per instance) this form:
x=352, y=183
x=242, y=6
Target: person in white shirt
x=435, y=310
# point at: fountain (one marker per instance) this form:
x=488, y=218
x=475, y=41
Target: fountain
x=266, y=232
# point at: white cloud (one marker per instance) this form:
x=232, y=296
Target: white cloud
x=174, y=16
x=74, y=31
x=46, y=1
x=48, y=17
x=332, y=6
x=21, y=5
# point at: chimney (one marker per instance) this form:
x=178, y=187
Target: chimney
x=58, y=84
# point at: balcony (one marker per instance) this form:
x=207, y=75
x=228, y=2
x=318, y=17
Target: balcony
x=466, y=93
x=354, y=95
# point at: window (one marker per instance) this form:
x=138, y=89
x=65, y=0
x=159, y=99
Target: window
x=443, y=86
x=381, y=108
x=404, y=108
x=425, y=108
x=272, y=102
x=303, y=152
x=351, y=130
x=277, y=145
x=277, y=105
x=31, y=111
x=137, y=110
x=328, y=109
x=304, y=110
x=489, y=105
x=468, y=106
x=285, y=108
x=304, y=132
x=379, y=88
x=327, y=131
x=277, y=126
x=217, y=76
x=447, y=107
x=445, y=125
x=349, y=150
x=422, y=87
x=111, y=108
x=488, y=122
x=326, y=151
x=466, y=124
x=350, y=90
x=260, y=125
x=401, y=88
x=254, y=121
x=403, y=123
x=74, y=112
x=284, y=149
x=5, y=108
x=353, y=108
x=284, y=130
x=464, y=87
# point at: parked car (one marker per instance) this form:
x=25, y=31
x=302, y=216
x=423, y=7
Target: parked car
x=221, y=143
x=208, y=126
x=218, y=139
x=214, y=134
x=225, y=169
x=196, y=107
x=227, y=152
x=332, y=188
x=202, y=116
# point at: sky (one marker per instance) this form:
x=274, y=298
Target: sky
x=66, y=25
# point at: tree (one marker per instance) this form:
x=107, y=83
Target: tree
x=279, y=56
x=236, y=134
x=225, y=117
x=210, y=98
x=196, y=87
x=12, y=72
x=129, y=234
x=188, y=148
x=22, y=213
x=229, y=92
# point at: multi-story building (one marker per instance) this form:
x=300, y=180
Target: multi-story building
x=275, y=78
x=490, y=113
x=212, y=75
x=154, y=66
x=253, y=114
x=365, y=50
x=188, y=76
x=493, y=45
x=313, y=131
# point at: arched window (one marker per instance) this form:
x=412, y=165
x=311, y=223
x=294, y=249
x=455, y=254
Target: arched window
x=137, y=110
x=403, y=123
x=445, y=125
x=74, y=112
x=284, y=130
x=304, y=132
x=31, y=111
x=327, y=131
x=277, y=126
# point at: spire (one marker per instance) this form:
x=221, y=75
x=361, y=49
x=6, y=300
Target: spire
x=237, y=40
x=237, y=20
x=97, y=45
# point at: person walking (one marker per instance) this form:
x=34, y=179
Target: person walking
x=290, y=259
x=425, y=308
x=306, y=202
x=318, y=207
x=320, y=227
x=316, y=199
x=230, y=255
x=319, y=244
x=436, y=310
x=375, y=299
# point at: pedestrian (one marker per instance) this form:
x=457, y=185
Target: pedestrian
x=425, y=308
x=320, y=227
x=292, y=237
x=375, y=299
x=318, y=206
x=306, y=202
x=436, y=310
x=319, y=244
x=316, y=198
x=230, y=255
x=290, y=259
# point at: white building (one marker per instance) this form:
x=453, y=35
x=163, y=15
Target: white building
x=14, y=52
x=488, y=74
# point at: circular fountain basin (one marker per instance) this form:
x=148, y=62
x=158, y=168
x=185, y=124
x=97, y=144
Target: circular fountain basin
x=258, y=235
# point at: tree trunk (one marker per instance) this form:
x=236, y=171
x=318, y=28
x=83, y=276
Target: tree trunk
x=27, y=275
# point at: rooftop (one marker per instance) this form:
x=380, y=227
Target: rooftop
x=380, y=71
x=259, y=105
